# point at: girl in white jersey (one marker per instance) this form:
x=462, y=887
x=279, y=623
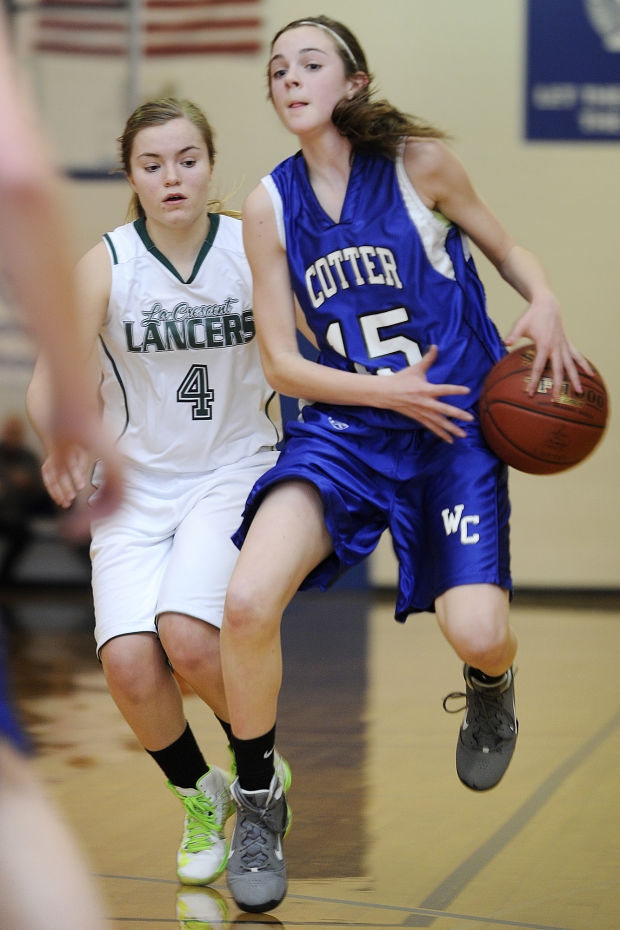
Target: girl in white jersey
x=166, y=301
x=365, y=230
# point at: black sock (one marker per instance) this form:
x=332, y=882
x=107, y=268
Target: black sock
x=486, y=679
x=254, y=759
x=182, y=762
x=226, y=727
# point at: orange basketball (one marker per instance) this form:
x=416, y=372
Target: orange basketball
x=538, y=434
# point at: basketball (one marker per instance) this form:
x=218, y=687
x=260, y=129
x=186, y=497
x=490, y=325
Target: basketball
x=539, y=434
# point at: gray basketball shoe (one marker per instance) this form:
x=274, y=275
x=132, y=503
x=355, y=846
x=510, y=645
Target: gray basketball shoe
x=256, y=868
x=488, y=734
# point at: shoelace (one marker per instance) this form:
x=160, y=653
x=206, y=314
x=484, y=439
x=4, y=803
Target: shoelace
x=454, y=696
x=487, y=715
x=201, y=823
x=256, y=840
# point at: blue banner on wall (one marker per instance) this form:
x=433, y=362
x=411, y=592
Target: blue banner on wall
x=573, y=70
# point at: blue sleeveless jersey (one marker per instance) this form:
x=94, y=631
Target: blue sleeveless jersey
x=387, y=281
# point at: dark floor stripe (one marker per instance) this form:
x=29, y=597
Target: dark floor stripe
x=453, y=884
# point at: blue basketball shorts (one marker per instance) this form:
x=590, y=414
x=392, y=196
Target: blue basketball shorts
x=445, y=505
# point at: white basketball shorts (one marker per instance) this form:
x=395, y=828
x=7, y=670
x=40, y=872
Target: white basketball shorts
x=168, y=546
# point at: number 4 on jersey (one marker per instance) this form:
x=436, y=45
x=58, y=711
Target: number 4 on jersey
x=195, y=390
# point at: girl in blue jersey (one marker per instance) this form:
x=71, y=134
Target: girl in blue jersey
x=359, y=240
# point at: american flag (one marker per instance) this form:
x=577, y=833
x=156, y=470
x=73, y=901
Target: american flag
x=164, y=27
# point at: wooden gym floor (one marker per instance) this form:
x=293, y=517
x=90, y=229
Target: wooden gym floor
x=384, y=834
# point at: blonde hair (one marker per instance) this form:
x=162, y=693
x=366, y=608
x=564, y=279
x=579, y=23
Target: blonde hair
x=155, y=113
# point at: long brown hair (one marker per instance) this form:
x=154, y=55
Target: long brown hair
x=156, y=113
x=373, y=125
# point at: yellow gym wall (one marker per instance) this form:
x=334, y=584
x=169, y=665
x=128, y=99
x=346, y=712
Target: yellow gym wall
x=461, y=65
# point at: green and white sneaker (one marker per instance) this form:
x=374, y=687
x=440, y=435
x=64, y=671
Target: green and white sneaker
x=203, y=852
x=201, y=909
x=256, y=868
x=283, y=771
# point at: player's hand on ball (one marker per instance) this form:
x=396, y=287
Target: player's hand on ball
x=540, y=432
x=542, y=323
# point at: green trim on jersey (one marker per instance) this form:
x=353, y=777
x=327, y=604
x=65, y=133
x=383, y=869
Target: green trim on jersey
x=111, y=248
x=119, y=379
x=214, y=223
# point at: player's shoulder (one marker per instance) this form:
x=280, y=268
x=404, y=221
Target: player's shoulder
x=98, y=256
x=426, y=153
x=228, y=225
x=229, y=233
x=258, y=202
x=93, y=274
x=124, y=242
x=434, y=169
x=123, y=231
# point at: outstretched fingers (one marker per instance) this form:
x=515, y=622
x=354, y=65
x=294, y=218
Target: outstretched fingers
x=422, y=400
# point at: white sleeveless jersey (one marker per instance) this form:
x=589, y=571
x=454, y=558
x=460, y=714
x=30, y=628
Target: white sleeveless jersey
x=182, y=381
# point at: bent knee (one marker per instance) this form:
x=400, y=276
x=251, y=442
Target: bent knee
x=193, y=651
x=249, y=611
x=481, y=639
x=485, y=649
x=133, y=666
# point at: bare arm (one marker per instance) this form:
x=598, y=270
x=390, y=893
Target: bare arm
x=65, y=475
x=442, y=182
x=32, y=225
x=407, y=392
